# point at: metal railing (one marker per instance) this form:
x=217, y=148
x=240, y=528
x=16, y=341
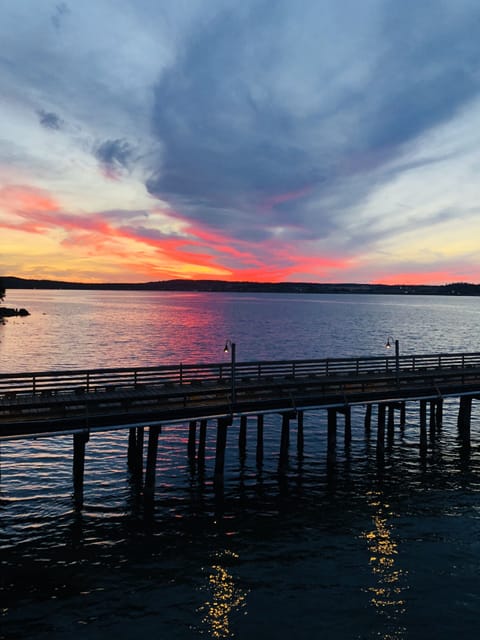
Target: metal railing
x=82, y=381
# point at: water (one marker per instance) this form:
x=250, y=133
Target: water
x=350, y=551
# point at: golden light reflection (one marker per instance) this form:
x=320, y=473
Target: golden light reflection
x=226, y=597
x=387, y=594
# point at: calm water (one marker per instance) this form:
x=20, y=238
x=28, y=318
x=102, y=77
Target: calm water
x=356, y=550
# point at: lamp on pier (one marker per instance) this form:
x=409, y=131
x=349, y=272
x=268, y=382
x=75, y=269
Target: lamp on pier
x=231, y=346
x=388, y=345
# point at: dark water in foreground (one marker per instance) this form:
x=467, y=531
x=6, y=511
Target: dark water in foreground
x=355, y=550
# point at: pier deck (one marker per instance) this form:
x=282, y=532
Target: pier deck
x=81, y=402
x=37, y=403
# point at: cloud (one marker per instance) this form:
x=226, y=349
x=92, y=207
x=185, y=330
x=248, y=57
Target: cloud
x=61, y=11
x=50, y=120
x=265, y=100
x=24, y=199
x=115, y=157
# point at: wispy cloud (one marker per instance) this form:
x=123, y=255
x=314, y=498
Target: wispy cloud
x=50, y=120
x=236, y=134
x=115, y=157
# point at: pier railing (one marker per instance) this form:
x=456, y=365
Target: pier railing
x=83, y=381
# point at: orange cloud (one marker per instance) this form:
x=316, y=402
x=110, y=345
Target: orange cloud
x=189, y=249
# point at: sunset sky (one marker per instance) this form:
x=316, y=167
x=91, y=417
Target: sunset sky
x=262, y=140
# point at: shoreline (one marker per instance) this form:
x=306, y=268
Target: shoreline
x=222, y=286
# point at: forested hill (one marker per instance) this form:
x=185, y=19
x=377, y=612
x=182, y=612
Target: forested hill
x=457, y=288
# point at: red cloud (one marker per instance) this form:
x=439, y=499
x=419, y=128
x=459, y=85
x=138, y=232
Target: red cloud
x=201, y=250
x=24, y=198
x=29, y=204
x=37, y=211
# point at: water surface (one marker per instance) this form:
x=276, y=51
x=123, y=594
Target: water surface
x=356, y=549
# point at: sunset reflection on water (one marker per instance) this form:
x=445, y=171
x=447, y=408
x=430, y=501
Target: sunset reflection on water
x=387, y=594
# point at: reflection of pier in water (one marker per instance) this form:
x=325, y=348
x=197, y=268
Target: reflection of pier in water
x=82, y=402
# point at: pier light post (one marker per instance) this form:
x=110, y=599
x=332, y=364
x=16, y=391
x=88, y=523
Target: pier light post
x=230, y=346
x=388, y=345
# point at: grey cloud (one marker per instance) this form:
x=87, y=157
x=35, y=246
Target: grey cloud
x=50, y=120
x=428, y=71
x=404, y=220
x=233, y=137
x=422, y=221
x=146, y=233
x=227, y=145
x=115, y=156
x=124, y=215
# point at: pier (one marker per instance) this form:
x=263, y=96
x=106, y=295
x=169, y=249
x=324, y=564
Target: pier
x=216, y=397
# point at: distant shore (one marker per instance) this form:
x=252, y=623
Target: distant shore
x=452, y=289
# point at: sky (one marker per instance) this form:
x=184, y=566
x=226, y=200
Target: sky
x=262, y=140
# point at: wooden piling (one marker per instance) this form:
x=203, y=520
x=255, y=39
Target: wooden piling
x=423, y=414
x=464, y=419
x=402, y=414
x=149, y=489
x=139, y=452
x=79, y=441
x=300, y=438
x=202, y=439
x=132, y=445
x=192, y=431
x=242, y=436
x=368, y=418
x=260, y=420
x=439, y=414
x=391, y=423
x=222, y=424
x=423, y=426
x=331, y=431
x=432, y=418
x=348, y=425
x=285, y=438
x=381, y=429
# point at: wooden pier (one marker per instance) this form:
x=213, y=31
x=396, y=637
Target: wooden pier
x=81, y=402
